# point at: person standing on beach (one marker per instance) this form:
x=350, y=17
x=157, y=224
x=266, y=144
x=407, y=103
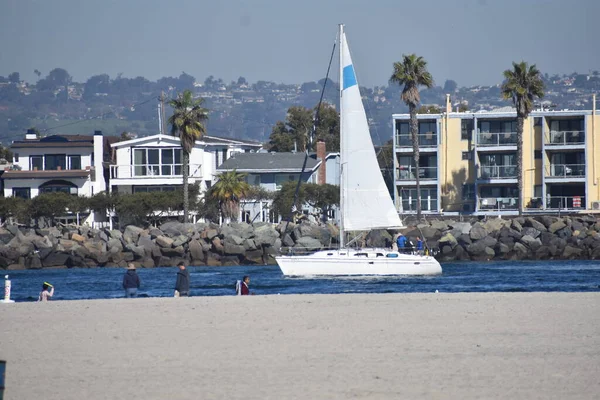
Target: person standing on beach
x=46, y=294
x=131, y=281
x=182, y=285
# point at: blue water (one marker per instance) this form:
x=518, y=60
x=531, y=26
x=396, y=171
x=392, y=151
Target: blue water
x=102, y=283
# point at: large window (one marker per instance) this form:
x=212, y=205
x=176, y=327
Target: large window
x=280, y=179
x=144, y=189
x=154, y=162
x=428, y=199
x=58, y=186
x=498, y=126
x=75, y=162
x=566, y=125
x=37, y=162
x=466, y=127
x=56, y=161
x=24, y=193
x=253, y=179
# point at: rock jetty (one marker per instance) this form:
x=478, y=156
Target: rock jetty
x=523, y=238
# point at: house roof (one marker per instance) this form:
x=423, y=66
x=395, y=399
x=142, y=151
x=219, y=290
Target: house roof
x=269, y=162
x=205, y=140
x=78, y=173
x=55, y=141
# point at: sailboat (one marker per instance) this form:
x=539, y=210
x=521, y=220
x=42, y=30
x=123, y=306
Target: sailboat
x=365, y=202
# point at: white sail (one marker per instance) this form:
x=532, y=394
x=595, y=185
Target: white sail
x=366, y=201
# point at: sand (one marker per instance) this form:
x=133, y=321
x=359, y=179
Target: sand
x=428, y=346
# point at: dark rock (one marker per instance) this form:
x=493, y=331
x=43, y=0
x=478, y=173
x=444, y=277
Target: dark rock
x=233, y=249
x=542, y=253
x=155, y=232
x=516, y=225
x=520, y=249
x=548, y=220
x=478, y=231
x=464, y=240
x=529, y=231
x=571, y=252
x=535, y=224
x=448, y=240
x=55, y=259
x=131, y=234
x=377, y=238
x=172, y=252
x=195, y=249
x=250, y=245
x=556, y=226
x=564, y=233
x=217, y=246
x=531, y=242
x=210, y=233
x=254, y=257
x=180, y=240
x=34, y=262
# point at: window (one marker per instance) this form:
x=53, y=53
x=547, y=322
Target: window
x=280, y=179
x=467, y=155
x=537, y=154
x=427, y=127
x=24, y=193
x=145, y=189
x=428, y=199
x=75, y=162
x=58, y=186
x=37, y=162
x=157, y=162
x=55, y=162
x=468, y=191
x=466, y=127
x=253, y=179
x=498, y=126
x=537, y=121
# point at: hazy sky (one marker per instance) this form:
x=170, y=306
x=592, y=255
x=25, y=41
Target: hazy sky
x=470, y=41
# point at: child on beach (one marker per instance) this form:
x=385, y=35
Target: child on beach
x=46, y=294
x=241, y=287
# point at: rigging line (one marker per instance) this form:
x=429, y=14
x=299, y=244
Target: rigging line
x=314, y=131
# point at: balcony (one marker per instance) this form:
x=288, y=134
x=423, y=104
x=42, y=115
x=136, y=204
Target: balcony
x=565, y=202
x=497, y=139
x=153, y=171
x=498, y=203
x=408, y=173
x=565, y=171
x=497, y=172
x=425, y=140
x=565, y=138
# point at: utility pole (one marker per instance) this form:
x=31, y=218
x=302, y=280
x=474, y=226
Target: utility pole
x=163, y=125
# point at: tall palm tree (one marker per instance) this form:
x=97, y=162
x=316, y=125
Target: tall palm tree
x=187, y=123
x=412, y=73
x=229, y=190
x=522, y=85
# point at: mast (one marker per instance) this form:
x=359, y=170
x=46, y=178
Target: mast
x=342, y=234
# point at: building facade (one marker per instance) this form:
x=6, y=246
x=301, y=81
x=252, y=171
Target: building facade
x=468, y=162
x=154, y=163
x=59, y=163
x=270, y=170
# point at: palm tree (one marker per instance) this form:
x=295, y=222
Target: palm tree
x=229, y=190
x=187, y=123
x=412, y=73
x=522, y=84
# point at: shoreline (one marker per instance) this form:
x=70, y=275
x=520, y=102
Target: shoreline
x=384, y=346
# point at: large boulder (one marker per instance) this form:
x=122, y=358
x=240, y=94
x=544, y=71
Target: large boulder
x=556, y=226
x=115, y=234
x=233, y=249
x=439, y=225
x=448, y=240
x=164, y=241
x=571, y=252
x=265, y=235
x=250, y=245
x=180, y=240
x=173, y=252
x=532, y=243
x=478, y=231
x=494, y=224
x=234, y=239
x=55, y=259
x=464, y=227
x=376, y=238
x=131, y=234
x=529, y=231
x=535, y=224
x=78, y=238
x=308, y=243
x=243, y=230
x=195, y=250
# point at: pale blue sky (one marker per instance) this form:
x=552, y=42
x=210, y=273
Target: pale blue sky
x=470, y=41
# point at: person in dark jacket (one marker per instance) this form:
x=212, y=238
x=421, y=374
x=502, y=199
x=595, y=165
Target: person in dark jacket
x=131, y=281
x=182, y=285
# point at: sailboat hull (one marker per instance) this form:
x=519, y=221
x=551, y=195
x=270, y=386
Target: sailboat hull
x=358, y=262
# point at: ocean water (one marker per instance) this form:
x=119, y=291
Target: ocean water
x=105, y=283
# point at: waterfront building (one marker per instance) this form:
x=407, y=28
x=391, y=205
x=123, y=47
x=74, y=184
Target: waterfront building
x=270, y=170
x=468, y=162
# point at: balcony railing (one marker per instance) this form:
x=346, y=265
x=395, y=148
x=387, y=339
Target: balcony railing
x=147, y=171
x=498, y=203
x=497, y=171
x=565, y=170
x=425, y=140
x=427, y=204
x=565, y=202
x=497, y=139
x=565, y=138
x=408, y=173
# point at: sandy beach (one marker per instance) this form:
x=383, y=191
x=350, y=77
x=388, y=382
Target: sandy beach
x=429, y=346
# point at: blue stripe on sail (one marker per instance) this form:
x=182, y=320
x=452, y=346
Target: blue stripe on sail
x=349, y=77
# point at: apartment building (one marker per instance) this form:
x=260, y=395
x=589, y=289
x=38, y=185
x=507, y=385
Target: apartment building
x=468, y=162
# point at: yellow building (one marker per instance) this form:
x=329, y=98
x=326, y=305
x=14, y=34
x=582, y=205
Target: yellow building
x=468, y=162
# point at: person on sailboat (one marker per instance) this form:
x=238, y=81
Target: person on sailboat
x=419, y=246
x=401, y=241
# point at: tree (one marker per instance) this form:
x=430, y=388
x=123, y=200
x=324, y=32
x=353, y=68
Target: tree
x=430, y=109
x=284, y=199
x=14, y=77
x=523, y=84
x=187, y=123
x=229, y=190
x=50, y=205
x=450, y=86
x=56, y=79
x=96, y=84
x=412, y=73
x=322, y=197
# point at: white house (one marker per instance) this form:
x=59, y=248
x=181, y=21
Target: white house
x=271, y=169
x=153, y=163
x=58, y=163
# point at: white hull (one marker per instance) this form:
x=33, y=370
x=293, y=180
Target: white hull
x=358, y=262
